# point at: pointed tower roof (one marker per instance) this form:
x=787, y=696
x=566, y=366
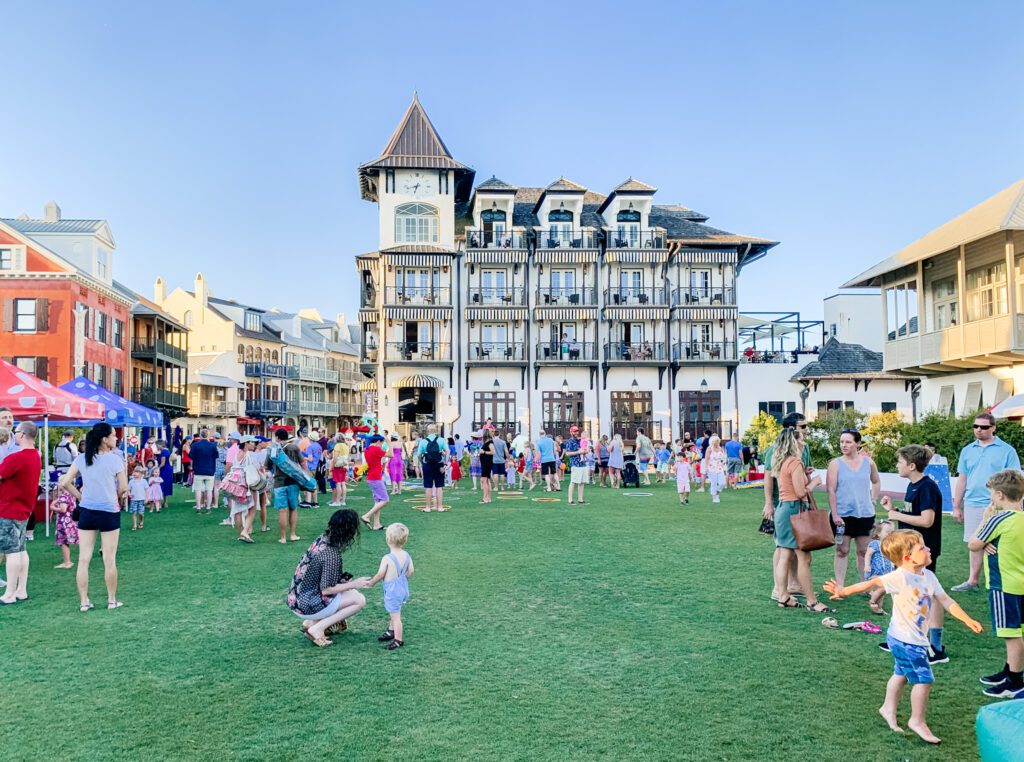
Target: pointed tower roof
x=415, y=144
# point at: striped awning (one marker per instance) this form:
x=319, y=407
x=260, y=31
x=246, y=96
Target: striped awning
x=637, y=313
x=417, y=260
x=495, y=313
x=565, y=313
x=369, y=385
x=565, y=256
x=369, y=316
x=418, y=313
x=418, y=382
x=495, y=257
x=707, y=256
x=367, y=261
x=707, y=313
x=637, y=256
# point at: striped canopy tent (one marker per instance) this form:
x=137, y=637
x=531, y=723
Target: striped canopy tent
x=418, y=382
x=119, y=411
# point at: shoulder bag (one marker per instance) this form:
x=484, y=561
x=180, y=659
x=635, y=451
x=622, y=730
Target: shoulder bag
x=811, y=527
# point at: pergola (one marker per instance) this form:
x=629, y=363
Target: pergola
x=751, y=326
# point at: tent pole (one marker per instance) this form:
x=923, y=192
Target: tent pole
x=46, y=470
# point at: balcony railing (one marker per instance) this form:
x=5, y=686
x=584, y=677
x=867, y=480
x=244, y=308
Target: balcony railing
x=367, y=298
x=151, y=347
x=497, y=295
x=576, y=296
x=626, y=428
x=767, y=357
x=312, y=407
x=351, y=409
x=502, y=427
x=497, y=351
x=262, y=408
x=427, y=295
x=149, y=396
x=636, y=239
x=567, y=239
x=221, y=408
x=619, y=296
x=270, y=370
x=569, y=351
x=722, y=428
x=313, y=373
x=645, y=351
x=697, y=296
x=410, y=351
x=350, y=377
x=490, y=239
x=704, y=351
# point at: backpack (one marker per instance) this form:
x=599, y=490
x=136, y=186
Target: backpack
x=62, y=458
x=432, y=454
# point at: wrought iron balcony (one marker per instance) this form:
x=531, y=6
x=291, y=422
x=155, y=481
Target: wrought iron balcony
x=556, y=238
x=150, y=348
x=270, y=370
x=497, y=351
x=489, y=239
x=644, y=351
x=704, y=351
x=567, y=351
x=421, y=351
x=636, y=239
x=632, y=296
x=313, y=373
x=566, y=295
x=704, y=296
x=498, y=295
x=312, y=407
x=263, y=408
x=440, y=296
x=351, y=409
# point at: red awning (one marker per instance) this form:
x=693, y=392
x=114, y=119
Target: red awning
x=30, y=397
x=249, y=421
x=280, y=426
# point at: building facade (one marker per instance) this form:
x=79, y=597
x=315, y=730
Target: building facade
x=952, y=307
x=62, y=315
x=539, y=307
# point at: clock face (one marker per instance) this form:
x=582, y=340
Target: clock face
x=418, y=184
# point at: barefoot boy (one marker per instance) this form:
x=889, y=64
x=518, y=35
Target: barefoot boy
x=914, y=590
x=1002, y=538
x=396, y=568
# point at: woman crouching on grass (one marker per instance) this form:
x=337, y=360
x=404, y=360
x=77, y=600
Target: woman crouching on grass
x=321, y=593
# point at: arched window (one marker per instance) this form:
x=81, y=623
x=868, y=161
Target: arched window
x=188, y=318
x=627, y=228
x=241, y=353
x=628, y=215
x=494, y=226
x=274, y=358
x=416, y=223
x=559, y=227
x=248, y=354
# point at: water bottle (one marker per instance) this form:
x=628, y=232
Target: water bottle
x=840, y=532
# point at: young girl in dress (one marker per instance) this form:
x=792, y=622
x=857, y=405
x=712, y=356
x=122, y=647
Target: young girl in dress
x=474, y=461
x=67, y=529
x=527, y=462
x=155, y=493
x=683, y=476
x=456, y=472
x=396, y=466
x=138, y=491
x=876, y=564
x=511, y=469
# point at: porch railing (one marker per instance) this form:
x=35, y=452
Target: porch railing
x=497, y=351
x=567, y=351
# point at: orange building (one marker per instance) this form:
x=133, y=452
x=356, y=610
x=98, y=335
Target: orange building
x=61, y=315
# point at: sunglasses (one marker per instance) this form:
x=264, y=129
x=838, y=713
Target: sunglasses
x=849, y=431
x=983, y=428
x=801, y=425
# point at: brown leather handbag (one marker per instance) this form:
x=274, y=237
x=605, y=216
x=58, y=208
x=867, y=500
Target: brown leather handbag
x=811, y=527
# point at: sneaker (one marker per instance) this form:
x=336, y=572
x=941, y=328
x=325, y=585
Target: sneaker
x=334, y=505
x=938, y=657
x=1005, y=689
x=884, y=647
x=965, y=587
x=995, y=679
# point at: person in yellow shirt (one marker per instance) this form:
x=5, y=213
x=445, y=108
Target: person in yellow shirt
x=339, y=470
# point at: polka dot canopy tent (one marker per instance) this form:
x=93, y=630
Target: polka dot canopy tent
x=119, y=411
x=29, y=397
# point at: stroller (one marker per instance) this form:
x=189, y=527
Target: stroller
x=630, y=474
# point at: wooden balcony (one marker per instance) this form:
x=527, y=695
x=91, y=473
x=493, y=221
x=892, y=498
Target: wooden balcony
x=977, y=345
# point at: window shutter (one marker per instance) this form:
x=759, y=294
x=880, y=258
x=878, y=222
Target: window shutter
x=18, y=258
x=42, y=315
x=8, y=315
x=42, y=368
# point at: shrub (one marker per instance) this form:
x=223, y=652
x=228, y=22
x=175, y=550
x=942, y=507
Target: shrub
x=883, y=436
x=762, y=431
x=823, y=433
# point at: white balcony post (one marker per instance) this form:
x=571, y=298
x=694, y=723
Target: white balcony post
x=961, y=285
x=1011, y=289
x=920, y=300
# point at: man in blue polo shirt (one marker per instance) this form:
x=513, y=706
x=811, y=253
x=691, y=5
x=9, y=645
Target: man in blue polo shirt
x=986, y=456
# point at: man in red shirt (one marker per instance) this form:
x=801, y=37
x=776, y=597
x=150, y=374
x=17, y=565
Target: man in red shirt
x=19, y=484
x=374, y=456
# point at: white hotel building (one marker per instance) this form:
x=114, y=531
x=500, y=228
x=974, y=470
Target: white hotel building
x=536, y=307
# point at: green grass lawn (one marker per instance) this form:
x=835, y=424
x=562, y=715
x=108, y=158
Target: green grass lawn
x=629, y=628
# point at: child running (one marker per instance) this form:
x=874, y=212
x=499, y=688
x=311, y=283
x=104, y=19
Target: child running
x=876, y=564
x=914, y=590
x=138, y=493
x=395, y=570
x=1001, y=536
x=683, y=475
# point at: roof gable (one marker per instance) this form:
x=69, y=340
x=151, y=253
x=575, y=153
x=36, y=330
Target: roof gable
x=839, y=360
x=98, y=228
x=416, y=143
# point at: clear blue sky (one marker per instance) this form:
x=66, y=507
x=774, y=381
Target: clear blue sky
x=224, y=137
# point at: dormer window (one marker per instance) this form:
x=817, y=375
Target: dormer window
x=559, y=227
x=252, y=322
x=627, y=228
x=493, y=221
x=416, y=223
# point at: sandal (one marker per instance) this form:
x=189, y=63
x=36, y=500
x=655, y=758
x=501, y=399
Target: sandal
x=337, y=629
x=790, y=603
x=365, y=521
x=86, y=607
x=114, y=605
x=386, y=636
x=820, y=608
x=321, y=642
x=876, y=608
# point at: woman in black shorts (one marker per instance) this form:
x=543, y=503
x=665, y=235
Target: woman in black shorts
x=104, y=485
x=853, y=489
x=486, y=465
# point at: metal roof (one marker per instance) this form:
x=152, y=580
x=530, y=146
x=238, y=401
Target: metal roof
x=1003, y=211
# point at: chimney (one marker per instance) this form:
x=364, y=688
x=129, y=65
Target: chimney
x=341, y=319
x=200, y=288
x=51, y=212
x=159, y=291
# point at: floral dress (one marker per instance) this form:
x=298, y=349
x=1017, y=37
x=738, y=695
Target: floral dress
x=474, y=458
x=66, y=529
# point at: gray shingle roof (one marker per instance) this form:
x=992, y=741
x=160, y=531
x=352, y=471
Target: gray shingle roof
x=562, y=185
x=633, y=186
x=838, y=360
x=494, y=184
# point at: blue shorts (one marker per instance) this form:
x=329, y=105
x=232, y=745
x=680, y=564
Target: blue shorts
x=137, y=506
x=286, y=498
x=911, y=661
